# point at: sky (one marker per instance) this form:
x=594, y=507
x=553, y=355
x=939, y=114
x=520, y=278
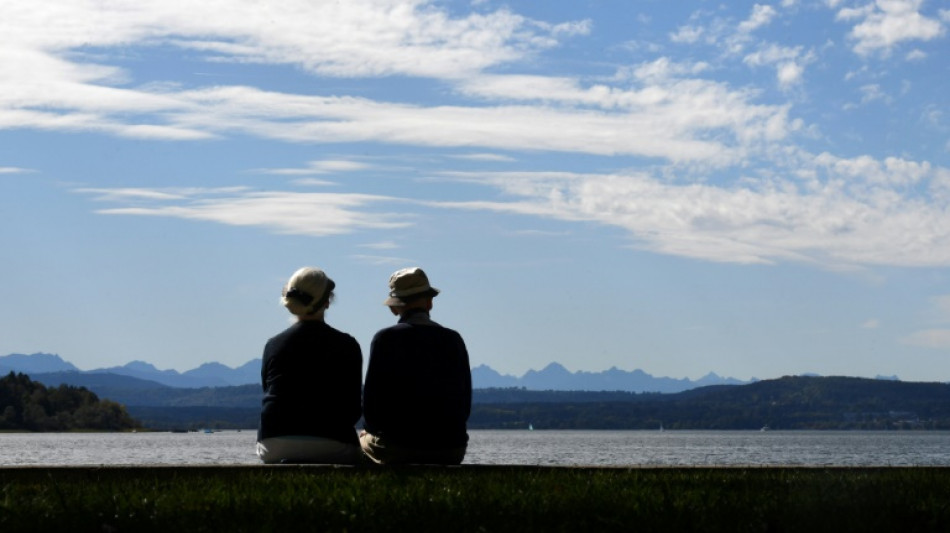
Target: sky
x=751, y=189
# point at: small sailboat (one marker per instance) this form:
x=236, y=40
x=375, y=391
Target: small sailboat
x=530, y=427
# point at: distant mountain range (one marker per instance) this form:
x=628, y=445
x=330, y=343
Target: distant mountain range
x=206, y=375
x=556, y=377
x=55, y=370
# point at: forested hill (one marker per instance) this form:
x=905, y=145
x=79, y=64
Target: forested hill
x=31, y=406
x=799, y=402
x=787, y=403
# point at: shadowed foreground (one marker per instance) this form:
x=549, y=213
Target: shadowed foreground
x=473, y=498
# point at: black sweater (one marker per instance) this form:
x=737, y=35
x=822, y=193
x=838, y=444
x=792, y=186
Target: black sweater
x=311, y=375
x=418, y=390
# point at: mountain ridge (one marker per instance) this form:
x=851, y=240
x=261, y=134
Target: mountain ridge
x=554, y=376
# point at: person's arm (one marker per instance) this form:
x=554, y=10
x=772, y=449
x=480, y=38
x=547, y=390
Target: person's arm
x=354, y=380
x=375, y=371
x=467, y=380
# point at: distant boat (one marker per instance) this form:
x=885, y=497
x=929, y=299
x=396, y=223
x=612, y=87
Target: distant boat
x=530, y=427
x=765, y=428
x=209, y=431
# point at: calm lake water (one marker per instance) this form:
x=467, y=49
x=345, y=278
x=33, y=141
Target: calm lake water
x=600, y=448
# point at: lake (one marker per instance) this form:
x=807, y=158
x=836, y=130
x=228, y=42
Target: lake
x=542, y=447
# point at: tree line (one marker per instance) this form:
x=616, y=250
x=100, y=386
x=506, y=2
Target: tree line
x=27, y=405
x=791, y=402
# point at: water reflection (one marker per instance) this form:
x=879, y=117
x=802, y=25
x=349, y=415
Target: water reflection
x=595, y=448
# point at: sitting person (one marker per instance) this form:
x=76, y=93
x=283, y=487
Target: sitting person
x=418, y=391
x=312, y=376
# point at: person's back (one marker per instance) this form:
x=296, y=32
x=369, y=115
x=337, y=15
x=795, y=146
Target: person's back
x=418, y=390
x=311, y=376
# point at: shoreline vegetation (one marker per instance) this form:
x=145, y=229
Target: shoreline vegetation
x=789, y=403
x=29, y=405
x=473, y=498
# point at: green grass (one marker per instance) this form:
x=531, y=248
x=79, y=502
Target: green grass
x=471, y=498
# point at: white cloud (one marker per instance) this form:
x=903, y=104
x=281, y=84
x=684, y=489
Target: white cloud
x=851, y=213
x=15, y=170
x=789, y=74
x=663, y=116
x=381, y=260
x=873, y=92
x=327, y=166
x=761, y=15
x=788, y=62
x=131, y=194
x=384, y=245
x=498, y=158
x=829, y=211
x=888, y=23
x=676, y=126
x=871, y=323
x=354, y=38
x=313, y=182
x=687, y=34
x=313, y=214
x=47, y=83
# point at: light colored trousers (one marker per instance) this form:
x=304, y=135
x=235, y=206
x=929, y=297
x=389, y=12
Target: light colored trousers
x=304, y=449
x=381, y=452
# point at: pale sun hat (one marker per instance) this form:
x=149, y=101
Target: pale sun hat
x=406, y=283
x=307, y=291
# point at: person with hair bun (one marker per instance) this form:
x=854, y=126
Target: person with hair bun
x=312, y=378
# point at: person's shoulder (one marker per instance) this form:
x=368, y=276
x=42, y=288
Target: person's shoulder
x=340, y=334
x=283, y=335
x=450, y=331
x=390, y=329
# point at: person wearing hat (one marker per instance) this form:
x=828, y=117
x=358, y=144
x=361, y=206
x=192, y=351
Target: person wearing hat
x=418, y=391
x=312, y=377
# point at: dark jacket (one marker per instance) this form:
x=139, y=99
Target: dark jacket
x=311, y=375
x=418, y=390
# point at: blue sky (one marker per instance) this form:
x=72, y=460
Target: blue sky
x=754, y=189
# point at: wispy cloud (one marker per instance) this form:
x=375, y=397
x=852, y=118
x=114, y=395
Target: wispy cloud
x=884, y=24
x=381, y=259
x=318, y=167
x=385, y=245
x=839, y=213
x=499, y=158
x=314, y=214
x=761, y=15
x=675, y=118
x=789, y=62
x=720, y=176
x=15, y=170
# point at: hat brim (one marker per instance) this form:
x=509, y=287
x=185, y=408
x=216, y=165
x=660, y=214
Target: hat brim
x=401, y=301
